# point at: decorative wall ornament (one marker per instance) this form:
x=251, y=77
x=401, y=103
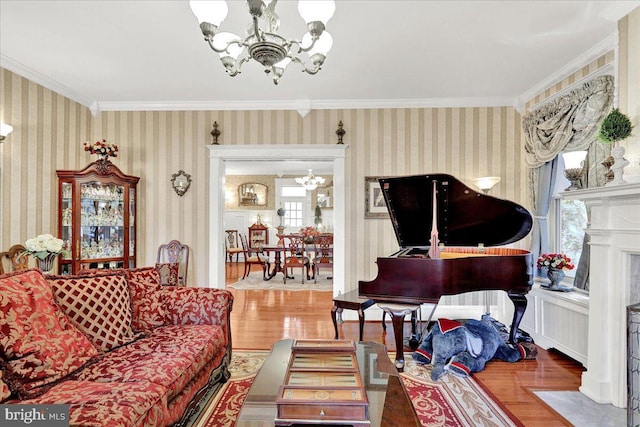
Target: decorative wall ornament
x=340, y=132
x=215, y=133
x=252, y=194
x=181, y=182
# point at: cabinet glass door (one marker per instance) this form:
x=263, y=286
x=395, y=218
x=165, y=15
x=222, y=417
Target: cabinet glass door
x=67, y=225
x=102, y=222
x=132, y=227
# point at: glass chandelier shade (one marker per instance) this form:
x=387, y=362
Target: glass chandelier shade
x=310, y=182
x=263, y=43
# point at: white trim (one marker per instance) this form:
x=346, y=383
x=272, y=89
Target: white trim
x=219, y=154
x=47, y=82
x=609, y=43
x=304, y=106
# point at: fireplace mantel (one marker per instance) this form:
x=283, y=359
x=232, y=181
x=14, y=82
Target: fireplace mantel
x=614, y=231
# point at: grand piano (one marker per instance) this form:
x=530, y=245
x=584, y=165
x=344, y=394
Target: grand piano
x=450, y=239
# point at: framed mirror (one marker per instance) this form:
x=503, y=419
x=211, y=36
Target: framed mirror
x=180, y=182
x=323, y=196
x=252, y=194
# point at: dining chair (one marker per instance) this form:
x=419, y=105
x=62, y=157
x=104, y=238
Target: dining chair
x=323, y=254
x=232, y=245
x=14, y=259
x=295, y=256
x=170, y=254
x=253, y=256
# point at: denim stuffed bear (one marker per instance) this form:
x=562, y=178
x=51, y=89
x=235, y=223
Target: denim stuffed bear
x=451, y=346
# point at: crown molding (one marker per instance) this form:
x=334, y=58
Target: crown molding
x=47, y=82
x=609, y=43
x=304, y=106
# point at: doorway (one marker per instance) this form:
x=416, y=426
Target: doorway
x=220, y=154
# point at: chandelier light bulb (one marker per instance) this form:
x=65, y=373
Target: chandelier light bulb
x=316, y=10
x=213, y=12
x=323, y=44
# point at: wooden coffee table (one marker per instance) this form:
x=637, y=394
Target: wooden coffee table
x=389, y=403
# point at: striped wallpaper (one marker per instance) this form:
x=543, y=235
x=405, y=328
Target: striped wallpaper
x=49, y=131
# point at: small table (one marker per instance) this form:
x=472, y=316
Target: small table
x=351, y=301
x=389, y=403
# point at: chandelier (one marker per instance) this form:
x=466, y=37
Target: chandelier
x=310, y=182
x=262, y=42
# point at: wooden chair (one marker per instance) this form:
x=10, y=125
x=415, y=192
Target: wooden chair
x=232, y=245
x=175, y=252
x=294, y=256
x=14, y=259
x=323, y=254
x=253, y=256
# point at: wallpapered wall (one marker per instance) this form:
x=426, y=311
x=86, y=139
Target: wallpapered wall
x=465, y=142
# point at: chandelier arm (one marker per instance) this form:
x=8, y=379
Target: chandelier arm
x=238, y=67
x=226, y=48
x=314, y=39
x=305, y=69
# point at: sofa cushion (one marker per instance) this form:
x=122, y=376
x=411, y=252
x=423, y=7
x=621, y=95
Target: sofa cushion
x=99, y=304
x=169, y=273
x=172, y=356
x=130, y=404
x=37, y=341
x=146, y=298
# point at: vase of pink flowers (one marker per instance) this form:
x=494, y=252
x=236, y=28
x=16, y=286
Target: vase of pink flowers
x=555, y=265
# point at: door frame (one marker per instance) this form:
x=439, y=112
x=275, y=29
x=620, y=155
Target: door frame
x=219, y=154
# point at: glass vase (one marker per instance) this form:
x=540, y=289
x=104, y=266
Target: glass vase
x=46, y=264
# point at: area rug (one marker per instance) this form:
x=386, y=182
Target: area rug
x=255, y=281
x=451, y=402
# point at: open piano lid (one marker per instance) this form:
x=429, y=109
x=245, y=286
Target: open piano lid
x=465, y=217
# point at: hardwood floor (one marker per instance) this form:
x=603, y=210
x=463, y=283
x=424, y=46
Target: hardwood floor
x=259, y=318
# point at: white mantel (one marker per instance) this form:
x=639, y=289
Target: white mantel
x=614, y=230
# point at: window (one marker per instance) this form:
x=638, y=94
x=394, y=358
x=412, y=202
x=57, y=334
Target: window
x=570, y=222
x=292, y=199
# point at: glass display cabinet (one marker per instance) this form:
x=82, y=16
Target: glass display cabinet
x=97, y=217
x=258, y=235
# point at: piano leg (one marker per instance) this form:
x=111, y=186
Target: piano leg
x=397, y=313
x=520, y=305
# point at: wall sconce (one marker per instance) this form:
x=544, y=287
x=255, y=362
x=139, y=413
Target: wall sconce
x=215, y=133
x=5, y=130
x=180, y=182
x=486, y=183
x=573, y=168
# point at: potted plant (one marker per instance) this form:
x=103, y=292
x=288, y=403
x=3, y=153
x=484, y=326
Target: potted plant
x=614, y=128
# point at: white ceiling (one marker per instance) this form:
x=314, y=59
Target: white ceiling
x=132, y=55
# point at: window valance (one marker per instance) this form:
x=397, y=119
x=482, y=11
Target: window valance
x=568, y=123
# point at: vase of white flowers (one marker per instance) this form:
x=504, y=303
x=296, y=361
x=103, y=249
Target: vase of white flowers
x=45, y=248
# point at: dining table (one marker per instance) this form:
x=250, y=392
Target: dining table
x=278, y=265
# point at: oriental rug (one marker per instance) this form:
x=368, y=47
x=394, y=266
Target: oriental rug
x=255, y=281
x=450, y=402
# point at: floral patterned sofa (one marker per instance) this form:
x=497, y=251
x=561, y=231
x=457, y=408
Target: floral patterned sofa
x=116, y=346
